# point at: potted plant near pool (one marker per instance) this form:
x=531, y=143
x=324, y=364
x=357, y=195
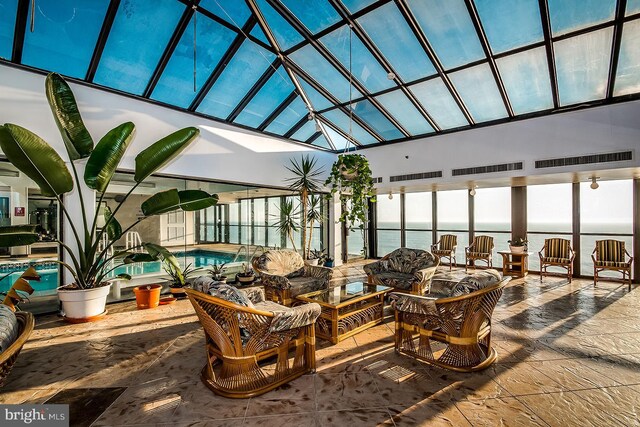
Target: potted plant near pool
x=217, y=272
x=84, y=299
x=178, y=276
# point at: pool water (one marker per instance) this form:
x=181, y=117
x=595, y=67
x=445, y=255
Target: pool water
x=49, y=276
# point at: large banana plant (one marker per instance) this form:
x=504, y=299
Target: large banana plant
x=91, y=265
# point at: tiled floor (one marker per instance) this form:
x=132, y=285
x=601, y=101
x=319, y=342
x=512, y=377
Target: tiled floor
x=569, y=354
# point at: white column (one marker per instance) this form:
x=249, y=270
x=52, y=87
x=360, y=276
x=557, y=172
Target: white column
x=74, y=209
x=335, y=230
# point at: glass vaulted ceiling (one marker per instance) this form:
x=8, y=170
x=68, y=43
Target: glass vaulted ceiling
x=339, y=73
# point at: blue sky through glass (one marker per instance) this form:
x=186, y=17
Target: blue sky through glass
x=391, y=34
x=316, y=15
x=291, y=115
x=321, y=141
x=356, y=5
x=305, y=131
x=339, y=141
x=272, y=94
x=257, y=32
x=526, y=78
x=8, y=10
x=571, y=15
x=364, y=66
x=582, y=66
x=318, y=101
x=437, y=100
x=176, y=83
x=341, y=120
x=479, y=92
x=234, y=12
x=250, y=62
x=128, y=66
x=509, y=24
x=284, y=33
x=628, y=72
x=399, y=106
x=375, y=119
x=65, y=35
x=449, y=29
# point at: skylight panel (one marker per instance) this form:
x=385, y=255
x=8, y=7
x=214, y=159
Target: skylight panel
x=316, y=15
x=582, y=66
x=250, y=62
x=399, y=106
x=510, y=24
x=284, y=33
x=292, y=114
x=310, y=60
x=139, y=36
x=449, y=29
x=268, y=98
x=571, y=15
x=375, y=119
x=356, y=5
x=628, y=72
x=234, y=12
x=479, y=92
x=525, y=76
x=305, y=132
x=339, y=141
x=321, y=141
x=8, y=11
x=355, y=56
x=391, y=34
x=633, y=6
x=437, y=100
x=64, y=36
x=318, y=101
x=341, y=120
x=175, y=86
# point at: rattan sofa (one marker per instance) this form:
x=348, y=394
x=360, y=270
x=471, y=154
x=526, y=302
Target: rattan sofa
x=404, y=270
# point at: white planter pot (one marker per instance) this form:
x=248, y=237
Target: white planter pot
x=83, y=304
x=517, y=249
x=312, y=261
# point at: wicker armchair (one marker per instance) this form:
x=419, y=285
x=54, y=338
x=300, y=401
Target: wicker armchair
x=446, y=248
x=8, y=357
x=462, y=323
x=611, y=255
x=480, y=250
x=405, y=270
x=556, y=252
x=285, y=275
x=242, y=340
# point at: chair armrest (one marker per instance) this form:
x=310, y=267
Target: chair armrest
x=274, y=281
x=416, y=304
x=467, y=249
x=435, y=246
x=373, y=268
x=255, y=294
x=454, y=248
x=572, y=254
x=295, y=317
x=629, y=255
x=425, y=274
x=318, y=272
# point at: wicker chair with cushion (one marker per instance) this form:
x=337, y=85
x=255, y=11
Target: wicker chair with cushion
x=556, y=252
x=458, y=319
x=246, y=334
x=611, y=255
x=480, y=250
x=446, y=248
x=405, y=270
x=285, y=275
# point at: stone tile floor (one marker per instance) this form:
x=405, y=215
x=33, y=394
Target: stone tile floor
x=569, y=354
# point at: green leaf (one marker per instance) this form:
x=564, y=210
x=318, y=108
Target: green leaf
x=162, y=253
x=65, y=111
x=105, y=158
x=113, y=229
x=194, y=200
x=160, y=153
x=124, y=276
x=140, y=257
x=18, y=235
x=162, y=202
x=36, y=159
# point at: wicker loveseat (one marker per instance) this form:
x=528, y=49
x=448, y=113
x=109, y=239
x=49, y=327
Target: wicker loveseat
x=405, y=270
x=455, y=316
x=253, y=345
x=285, y=275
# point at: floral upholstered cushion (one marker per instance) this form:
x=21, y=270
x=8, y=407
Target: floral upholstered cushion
x=279, y=263
x=445, y=285
x=295, y=317
x=408, y=261
x=9, y=327
x=231, y=294
x=396, y=280
x=297, y=273
x=202, y=284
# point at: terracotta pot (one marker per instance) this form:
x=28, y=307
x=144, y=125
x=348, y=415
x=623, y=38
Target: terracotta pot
x=147, y=296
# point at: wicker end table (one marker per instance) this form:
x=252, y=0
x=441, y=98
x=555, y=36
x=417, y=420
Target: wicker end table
x=347, y=309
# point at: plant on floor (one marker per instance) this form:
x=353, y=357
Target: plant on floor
x=246, y=275
x=216, y=271
x=305, y=182
x=91, y=264
x=178, y=274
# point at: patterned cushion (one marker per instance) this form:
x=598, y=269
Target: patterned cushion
x=202, y=284
x=556, y=260
x=408, y=261
x=478, y=254
x=476, y=281
x=442, y=252
x=396, y=280
x=612, y=264
x=610, y=250
x=9, y=327
x=297, y=273
x=304, y=285
x=483, y=244
x=557, y=248
x=280, y=262
x=231, y=294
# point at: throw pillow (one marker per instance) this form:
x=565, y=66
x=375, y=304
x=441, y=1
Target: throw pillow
x=231, y=294
x=296, y=273
x=8, y=327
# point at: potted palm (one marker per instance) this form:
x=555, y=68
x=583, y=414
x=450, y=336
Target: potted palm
x=89, y=264
x=287, y=223
x=217, y=272
x=178, y=276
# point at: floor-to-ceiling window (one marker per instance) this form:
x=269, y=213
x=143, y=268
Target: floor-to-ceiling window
x=388, y=224
x=492, y=215
x=453, y=217
x=418, y=220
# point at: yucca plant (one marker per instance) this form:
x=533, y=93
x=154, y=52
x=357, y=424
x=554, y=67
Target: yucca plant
x=34, y=157
x=288, y=221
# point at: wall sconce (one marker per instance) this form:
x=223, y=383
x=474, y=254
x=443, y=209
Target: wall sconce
x=594, y=184
x=472, y=192
x=390, y=195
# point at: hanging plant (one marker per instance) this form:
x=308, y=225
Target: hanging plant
x=351, y=177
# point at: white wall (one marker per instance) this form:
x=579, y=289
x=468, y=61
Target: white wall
x=222, y=152
x=603, y=129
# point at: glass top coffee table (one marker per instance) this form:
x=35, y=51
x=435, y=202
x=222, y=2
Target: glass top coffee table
x=347, y=309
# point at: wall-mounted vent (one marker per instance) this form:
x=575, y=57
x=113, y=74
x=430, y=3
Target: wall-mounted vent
x=414, y=176
x=584, y=160
x=377, y=180
x=505, y=167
